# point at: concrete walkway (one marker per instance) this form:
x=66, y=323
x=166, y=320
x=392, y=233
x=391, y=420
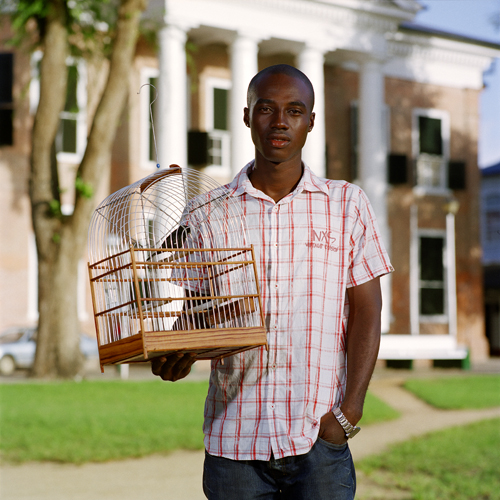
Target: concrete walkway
x=178, y=475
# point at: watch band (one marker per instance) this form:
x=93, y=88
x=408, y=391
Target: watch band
x=349, y=429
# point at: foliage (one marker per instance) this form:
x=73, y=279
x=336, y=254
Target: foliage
x=90, y=23
x=99, y=421
x=454, y=464
x=472, y=391
x=84, y=189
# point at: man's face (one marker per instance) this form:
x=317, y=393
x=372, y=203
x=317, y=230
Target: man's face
x=280, y=117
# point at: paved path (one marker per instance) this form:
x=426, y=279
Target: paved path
x=178, y=475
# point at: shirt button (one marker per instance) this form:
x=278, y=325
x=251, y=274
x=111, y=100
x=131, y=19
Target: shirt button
x=276, y=244
x=273, y=366
x=275, y=327
x=272, y=407
x=276, y=286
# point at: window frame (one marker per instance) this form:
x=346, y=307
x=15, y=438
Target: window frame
x=444, y=117
x=81, y=96
x=224, y=136
x=433, y=318
x=147, y=74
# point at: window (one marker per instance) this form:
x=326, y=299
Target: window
x=430, y=145
x=217, y=122
x=492, y=216
x=148, y=95
x=432, y=288
x=66, y=140
x=6, y=99
x=71, y=137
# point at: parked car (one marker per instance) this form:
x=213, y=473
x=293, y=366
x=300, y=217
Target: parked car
x=18, y=345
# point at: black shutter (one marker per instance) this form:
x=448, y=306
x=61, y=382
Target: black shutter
x=197, y=148
x=6, y=100
x=456, y=175
x=397, y=169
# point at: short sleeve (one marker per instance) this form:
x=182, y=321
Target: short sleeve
x=369, y=257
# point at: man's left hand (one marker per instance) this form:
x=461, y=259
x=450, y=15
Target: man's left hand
x=330, y=430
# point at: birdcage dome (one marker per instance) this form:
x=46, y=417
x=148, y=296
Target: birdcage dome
x=167, y=255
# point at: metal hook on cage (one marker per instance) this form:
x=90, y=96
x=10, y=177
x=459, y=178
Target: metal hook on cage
x=152, y=121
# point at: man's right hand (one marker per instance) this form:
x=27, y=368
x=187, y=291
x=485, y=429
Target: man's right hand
x=173, y=367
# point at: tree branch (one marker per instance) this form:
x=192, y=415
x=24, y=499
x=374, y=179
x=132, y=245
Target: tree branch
x=97, y=155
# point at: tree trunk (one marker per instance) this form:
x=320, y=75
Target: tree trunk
x=61, y=240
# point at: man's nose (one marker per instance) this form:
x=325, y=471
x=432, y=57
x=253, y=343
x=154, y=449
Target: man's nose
x=279, y=120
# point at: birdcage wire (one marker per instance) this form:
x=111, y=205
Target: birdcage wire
x=169, y=254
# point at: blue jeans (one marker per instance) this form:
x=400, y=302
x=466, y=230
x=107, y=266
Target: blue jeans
x=326, y=472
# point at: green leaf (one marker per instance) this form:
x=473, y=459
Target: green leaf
x=83, y=189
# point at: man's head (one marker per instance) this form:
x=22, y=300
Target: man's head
x=280, y=69
x=279, y=114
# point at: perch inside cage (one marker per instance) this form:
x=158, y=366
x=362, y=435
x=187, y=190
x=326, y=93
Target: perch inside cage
x=171, y=270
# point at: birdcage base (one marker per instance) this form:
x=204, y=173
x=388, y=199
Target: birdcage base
x=206, y=344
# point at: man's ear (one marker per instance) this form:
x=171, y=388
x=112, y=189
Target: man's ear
x=246, y=117
x=311, y=121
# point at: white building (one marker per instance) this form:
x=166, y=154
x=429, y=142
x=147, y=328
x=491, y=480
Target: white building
x=396, y=112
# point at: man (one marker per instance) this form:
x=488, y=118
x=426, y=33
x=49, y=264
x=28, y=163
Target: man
x=269, y=427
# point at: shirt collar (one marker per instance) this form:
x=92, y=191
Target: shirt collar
x=308, y=182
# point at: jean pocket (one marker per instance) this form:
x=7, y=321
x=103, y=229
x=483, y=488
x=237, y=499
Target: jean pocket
x=332, y=446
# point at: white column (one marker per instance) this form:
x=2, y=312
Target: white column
x=243, y=53
x=311, y=62
x=172, y=97
x=451, y=273
x=372, y=159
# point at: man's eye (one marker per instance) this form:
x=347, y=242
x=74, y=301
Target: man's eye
x=265, y=109
x=296, y=111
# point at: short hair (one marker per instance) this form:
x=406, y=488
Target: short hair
x=279, y=69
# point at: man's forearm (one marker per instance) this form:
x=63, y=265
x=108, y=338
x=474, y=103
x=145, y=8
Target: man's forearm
x=363, y=341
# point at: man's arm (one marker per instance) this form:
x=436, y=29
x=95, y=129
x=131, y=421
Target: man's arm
x=363, y=340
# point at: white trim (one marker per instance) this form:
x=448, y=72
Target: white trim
x=420, y=347
x=145, y=162
x=451, y=272
x=414, y=272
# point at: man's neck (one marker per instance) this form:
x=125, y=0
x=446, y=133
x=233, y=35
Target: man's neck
x=277, y=180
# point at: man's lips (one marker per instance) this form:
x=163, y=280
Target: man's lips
x=278, y=141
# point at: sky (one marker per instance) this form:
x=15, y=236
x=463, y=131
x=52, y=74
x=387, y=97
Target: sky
x=472, y=18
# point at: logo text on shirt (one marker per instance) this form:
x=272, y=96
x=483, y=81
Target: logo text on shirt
x=322, y=239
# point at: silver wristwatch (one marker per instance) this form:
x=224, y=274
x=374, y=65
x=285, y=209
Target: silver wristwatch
x=349, y=429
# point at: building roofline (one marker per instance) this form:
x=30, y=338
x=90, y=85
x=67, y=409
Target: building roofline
x=493, y=170
x=419, y=28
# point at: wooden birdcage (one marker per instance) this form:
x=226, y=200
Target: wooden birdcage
x=171, y=270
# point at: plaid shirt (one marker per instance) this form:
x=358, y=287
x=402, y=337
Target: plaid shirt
x=310, y=247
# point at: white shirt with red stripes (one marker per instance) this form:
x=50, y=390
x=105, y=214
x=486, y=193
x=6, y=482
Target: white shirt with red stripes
x=310, y=247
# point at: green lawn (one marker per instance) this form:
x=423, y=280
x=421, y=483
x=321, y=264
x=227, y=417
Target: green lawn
x=376, y=410
x=458, y=392
x=456, y=464
x=99, y=421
